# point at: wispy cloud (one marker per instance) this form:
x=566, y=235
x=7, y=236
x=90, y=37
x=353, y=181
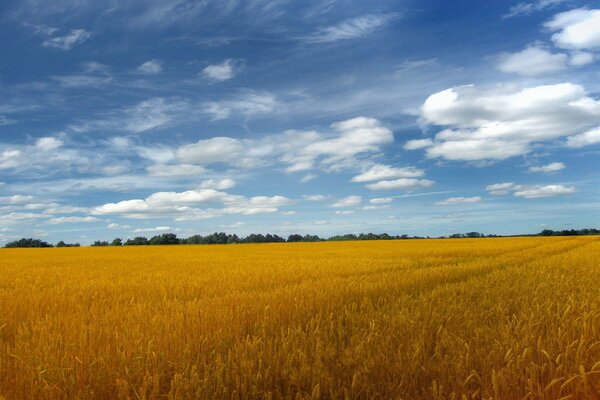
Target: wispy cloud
x=527, y=8
x=353, y=28
x=67, y=41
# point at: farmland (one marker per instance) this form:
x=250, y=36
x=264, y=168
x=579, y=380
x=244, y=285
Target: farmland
x=510, y=318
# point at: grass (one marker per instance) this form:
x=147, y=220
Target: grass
x=510, y=318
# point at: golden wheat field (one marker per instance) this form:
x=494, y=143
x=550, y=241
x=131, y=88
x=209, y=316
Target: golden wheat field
x=511, y=318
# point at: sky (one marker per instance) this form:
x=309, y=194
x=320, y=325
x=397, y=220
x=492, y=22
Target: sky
x=429, y=117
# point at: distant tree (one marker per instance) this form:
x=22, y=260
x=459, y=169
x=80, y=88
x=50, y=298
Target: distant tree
x=474, y=235
x=295, y=238
x=136, y=241
x=117, y=242
x=63, y=244
x=99, y=243
x=27, y=243
x=164, y=239
x=311, y=238
x=195, y=239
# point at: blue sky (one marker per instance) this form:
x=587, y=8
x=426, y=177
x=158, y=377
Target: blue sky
x=126, y=118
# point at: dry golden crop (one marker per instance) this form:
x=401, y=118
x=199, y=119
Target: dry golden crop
x=514, y=318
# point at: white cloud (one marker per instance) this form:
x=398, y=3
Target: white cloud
x=155, y=229
x=350, y=29
x=417, y=144
x=401, y=184
x=503, y=122
x=117, y=226
x=376, y=207
x=151, y=67
x=544, y=191
x=314, y=197
x=344, y=212
x=79, y=81
x=6, y=121
x=527, y=8
x=380, y=172
x=458, y=200
x=297, y=150
x=501, y=189
x=307, y=178
x=381, y=200
x=577, y=29
x=234, y=225
x=16, y=199
x=585, y=139
x=167, y=170
x=349, y=201
x=221, y=72
x=302, y=150
x=181, y=205
x=71, y=220
x=221, y=184
x=146, y=115
x=150, y=114
x=529, y=192
x=214, y=150
x=532, y=61
x=48, y=143
x=68, y=41
x=248, y=103
x=552, y=167
x=581, y=58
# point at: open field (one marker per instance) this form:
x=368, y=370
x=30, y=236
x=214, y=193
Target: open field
x=509, y=318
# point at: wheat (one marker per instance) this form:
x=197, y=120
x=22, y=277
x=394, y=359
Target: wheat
x=515, y=318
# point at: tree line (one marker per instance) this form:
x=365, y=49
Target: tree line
x=224, y=238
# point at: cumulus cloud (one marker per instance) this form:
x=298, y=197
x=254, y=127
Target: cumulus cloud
x=585, y=139
x=417, y=144
x=48, y=143
x=406, y=184
x=221, y=184
x=581, y=58
x=349, y=201
x=544, y=191
x=548, y=168
x=183, y=205
x=68, y=41
x=151, y=67
x=532, y=61
x=353, y=28
x=459, y=200
x=297, y=150
x=221, y=72
x=577, y=29
x=380, y=172
x=503, y=122
x=214, y=150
